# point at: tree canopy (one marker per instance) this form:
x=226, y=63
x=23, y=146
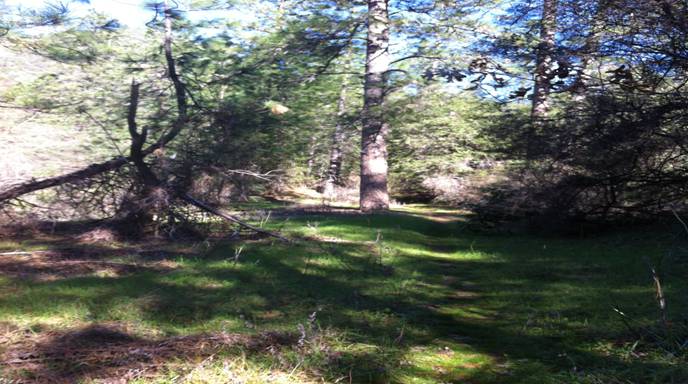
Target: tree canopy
x=573, y=107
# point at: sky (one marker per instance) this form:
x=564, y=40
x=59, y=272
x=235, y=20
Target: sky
x=132, y=13
x=128, y=12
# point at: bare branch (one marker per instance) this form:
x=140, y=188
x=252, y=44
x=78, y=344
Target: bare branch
x=228, y=217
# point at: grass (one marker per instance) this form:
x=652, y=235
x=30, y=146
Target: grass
x=407, y=297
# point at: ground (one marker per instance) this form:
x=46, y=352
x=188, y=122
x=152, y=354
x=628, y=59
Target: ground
x=413, y=296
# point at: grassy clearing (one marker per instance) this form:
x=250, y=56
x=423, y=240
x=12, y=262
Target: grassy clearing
x=408, y=297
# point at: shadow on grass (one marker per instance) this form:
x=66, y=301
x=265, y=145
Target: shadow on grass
x=110, y=352
x=445, y=306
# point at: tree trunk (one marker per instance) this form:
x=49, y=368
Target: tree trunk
x=374, y=195
x=334, y=169
x=543, y=71
x=312, y=148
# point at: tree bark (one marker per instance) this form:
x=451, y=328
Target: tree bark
x=543, y=71
x=312, y=148
x=145, y=174
x=334, y=170
x=373, y=193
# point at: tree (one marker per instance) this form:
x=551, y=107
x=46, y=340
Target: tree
x=156, y=194
x=334, y=169
x=374, y=195
x=617, y=145
x=544, y=72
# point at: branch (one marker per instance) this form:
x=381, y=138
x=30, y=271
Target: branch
x=417, y=56
x=131, y=112
x=228, y=217
x=171, y=66
x=113, y=164
x=138, y=139
x=72, y=177
x=262, y=176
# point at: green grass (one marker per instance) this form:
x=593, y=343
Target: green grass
x=428, y=302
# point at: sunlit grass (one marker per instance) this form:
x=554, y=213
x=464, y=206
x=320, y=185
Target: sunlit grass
x=397, y=298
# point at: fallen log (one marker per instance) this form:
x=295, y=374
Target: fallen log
x=82, y=174
x=137, y=140
x=137, y=152
x=228, y=217
x=72, y=177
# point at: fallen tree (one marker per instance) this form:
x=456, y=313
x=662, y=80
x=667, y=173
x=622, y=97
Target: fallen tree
x=151, y=183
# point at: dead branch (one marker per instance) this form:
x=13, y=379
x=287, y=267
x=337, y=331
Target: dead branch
x=137, y=153
x=680, y=220
x=72, y=177
x=113, y=164
x=228, y=217
x=14, y=253
x=659, y=291
x=267, y=176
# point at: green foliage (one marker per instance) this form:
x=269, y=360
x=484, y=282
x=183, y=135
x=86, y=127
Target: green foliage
x=438, y=133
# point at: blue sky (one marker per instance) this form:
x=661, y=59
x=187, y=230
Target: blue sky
x=129, y=12
x=133, y=13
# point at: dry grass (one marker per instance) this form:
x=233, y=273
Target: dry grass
x=110, y=353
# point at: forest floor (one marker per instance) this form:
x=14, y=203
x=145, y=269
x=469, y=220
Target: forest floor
x=411, y=296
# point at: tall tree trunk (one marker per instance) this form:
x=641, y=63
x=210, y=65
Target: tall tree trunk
x=374, y=195
x=543, y=71
x=312, y=148
x=334, y=169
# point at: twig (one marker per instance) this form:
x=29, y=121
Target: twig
x=22, y=253
x=685, y=226
x=625, y=322
x=267, y=176
x=659, y=292
x=237, y=253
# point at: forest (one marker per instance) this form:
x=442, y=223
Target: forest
x=344, y=191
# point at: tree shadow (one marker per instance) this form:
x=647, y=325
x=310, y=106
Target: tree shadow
x=111, y=352
x=521, y=306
